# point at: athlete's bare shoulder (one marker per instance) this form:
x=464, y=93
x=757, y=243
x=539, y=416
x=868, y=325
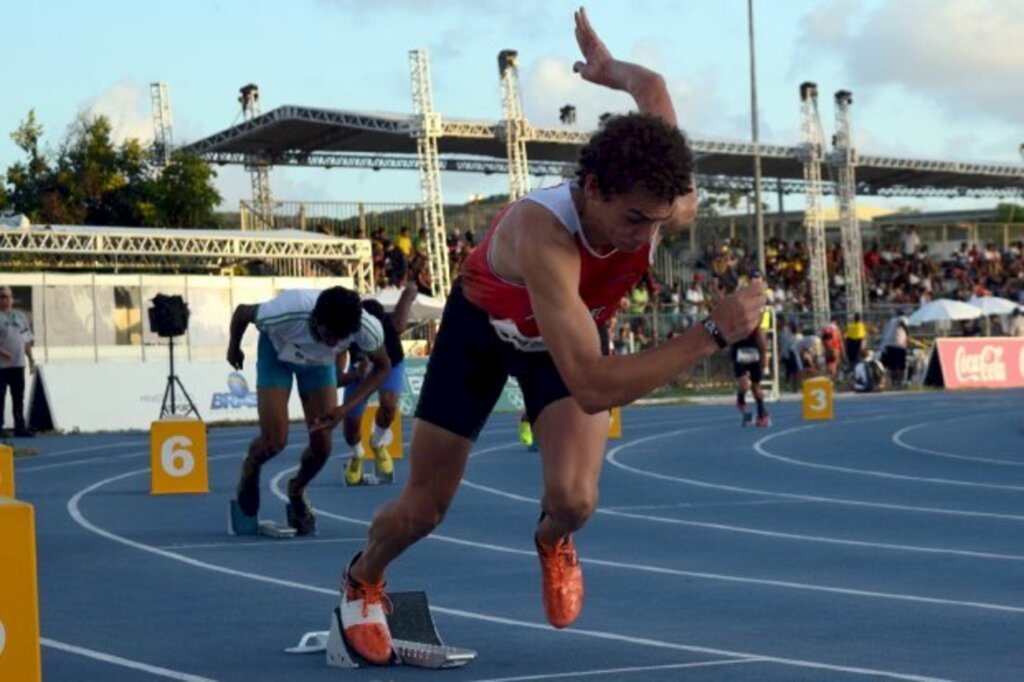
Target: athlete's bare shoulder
x=526, y=228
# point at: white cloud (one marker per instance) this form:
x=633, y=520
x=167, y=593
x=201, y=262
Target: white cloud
x=127, y=107
x=964, y=56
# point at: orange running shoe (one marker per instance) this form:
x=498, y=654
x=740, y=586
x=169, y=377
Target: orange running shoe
x=363, y=615
x=562, y=582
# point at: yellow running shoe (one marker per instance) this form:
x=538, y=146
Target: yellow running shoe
x=525, y=433
x=385, y=466
x=354, y=471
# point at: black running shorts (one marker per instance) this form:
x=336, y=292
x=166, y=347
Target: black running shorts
x=468, y=369
x=751, y=368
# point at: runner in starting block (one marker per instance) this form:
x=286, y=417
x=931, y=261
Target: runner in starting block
x=525, y=305
x=301, y=334
x=393, y=324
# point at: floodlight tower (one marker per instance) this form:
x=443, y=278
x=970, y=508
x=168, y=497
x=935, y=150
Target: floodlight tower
x=428, y=129
x=515, y=129
x=844, y=160
x=814, y=223
x=163, y=140
x=259, y=173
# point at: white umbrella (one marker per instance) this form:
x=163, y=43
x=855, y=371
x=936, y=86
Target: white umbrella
x=423, y=307
x=993, y=305
x=944, y=309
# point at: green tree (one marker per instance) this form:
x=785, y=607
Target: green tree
x=94, y=181
x=25, y=180
x=185, y=195
x=1009, y=213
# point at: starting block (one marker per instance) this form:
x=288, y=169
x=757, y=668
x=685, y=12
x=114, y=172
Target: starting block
x=240, y=524
x=413, y=635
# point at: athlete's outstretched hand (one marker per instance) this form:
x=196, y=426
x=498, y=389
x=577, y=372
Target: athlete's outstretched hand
x=597, y=60
x=739, y=313
x=327, y=421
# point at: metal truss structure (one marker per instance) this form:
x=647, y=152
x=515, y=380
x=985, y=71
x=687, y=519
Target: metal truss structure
x=426, y=132
x=249, y=98
x=814, y=223
x=844, y=159
x=515, y=129
x=156, y=249
x=163, y=139
x=330, y=138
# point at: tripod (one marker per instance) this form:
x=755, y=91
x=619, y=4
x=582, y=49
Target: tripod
x=169, y=393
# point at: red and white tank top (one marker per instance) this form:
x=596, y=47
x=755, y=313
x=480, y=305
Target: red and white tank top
x=604, y=278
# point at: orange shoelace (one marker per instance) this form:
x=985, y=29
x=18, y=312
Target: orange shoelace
x=564, y=555
x=373, y=594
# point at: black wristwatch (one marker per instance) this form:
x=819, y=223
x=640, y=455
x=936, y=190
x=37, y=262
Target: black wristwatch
x=711, y=328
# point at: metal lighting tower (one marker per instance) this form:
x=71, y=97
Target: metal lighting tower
x=844, y=159
x=755, y=136
x=814, y=223
x=163, y=140
x=516, y=129
x=259, y=173
x=428, y=130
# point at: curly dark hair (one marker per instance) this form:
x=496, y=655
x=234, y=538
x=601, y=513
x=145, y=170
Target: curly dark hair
x=638, y=151
x=339, y=310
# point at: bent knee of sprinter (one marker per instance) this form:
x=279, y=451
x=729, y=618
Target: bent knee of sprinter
x=570, y=508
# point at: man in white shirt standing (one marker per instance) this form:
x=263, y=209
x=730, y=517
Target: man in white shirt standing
x=302, y=332
x=15, y=351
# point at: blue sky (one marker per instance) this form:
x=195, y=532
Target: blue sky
x=931, y=78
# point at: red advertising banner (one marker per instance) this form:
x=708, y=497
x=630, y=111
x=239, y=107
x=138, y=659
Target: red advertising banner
x=994, y=362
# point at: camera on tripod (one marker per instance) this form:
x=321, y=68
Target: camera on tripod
x=169, y=316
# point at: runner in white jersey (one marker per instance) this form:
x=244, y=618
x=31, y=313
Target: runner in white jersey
x=302, y=332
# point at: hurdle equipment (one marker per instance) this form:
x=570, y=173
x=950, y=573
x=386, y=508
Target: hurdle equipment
x=241, y=524
x=414, y=638
x=20, y=657
x=6, y=470
x=817, y=395
x=177, y=454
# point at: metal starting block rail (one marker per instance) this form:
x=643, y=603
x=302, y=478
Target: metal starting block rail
x=414, y=637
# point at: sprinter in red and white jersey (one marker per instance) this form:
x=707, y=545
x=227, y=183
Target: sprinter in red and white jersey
x=526, y=304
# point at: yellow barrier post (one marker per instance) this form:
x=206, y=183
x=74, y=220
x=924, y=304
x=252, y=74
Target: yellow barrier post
x=615, y=423
x=177, y=455
x=818, y=399
x=394, y=448
x=6, y=470
x=19, y=600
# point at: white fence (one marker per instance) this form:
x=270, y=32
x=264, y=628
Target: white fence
x=103, y=317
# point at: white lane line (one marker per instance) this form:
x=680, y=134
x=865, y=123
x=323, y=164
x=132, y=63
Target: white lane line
x=619, y=671
x=115, y=458
x=123, y=662
x=275, y=487
x=263, y=544
x=611, y=458
x=759, y=448
x=817, y=538
x=897, y=440
x=766, y=533
x=696, y=505
x=75, y=501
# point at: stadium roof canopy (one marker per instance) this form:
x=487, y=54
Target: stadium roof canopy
x=307, y=136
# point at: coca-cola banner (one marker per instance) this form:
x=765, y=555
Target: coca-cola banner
x=995, y=362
